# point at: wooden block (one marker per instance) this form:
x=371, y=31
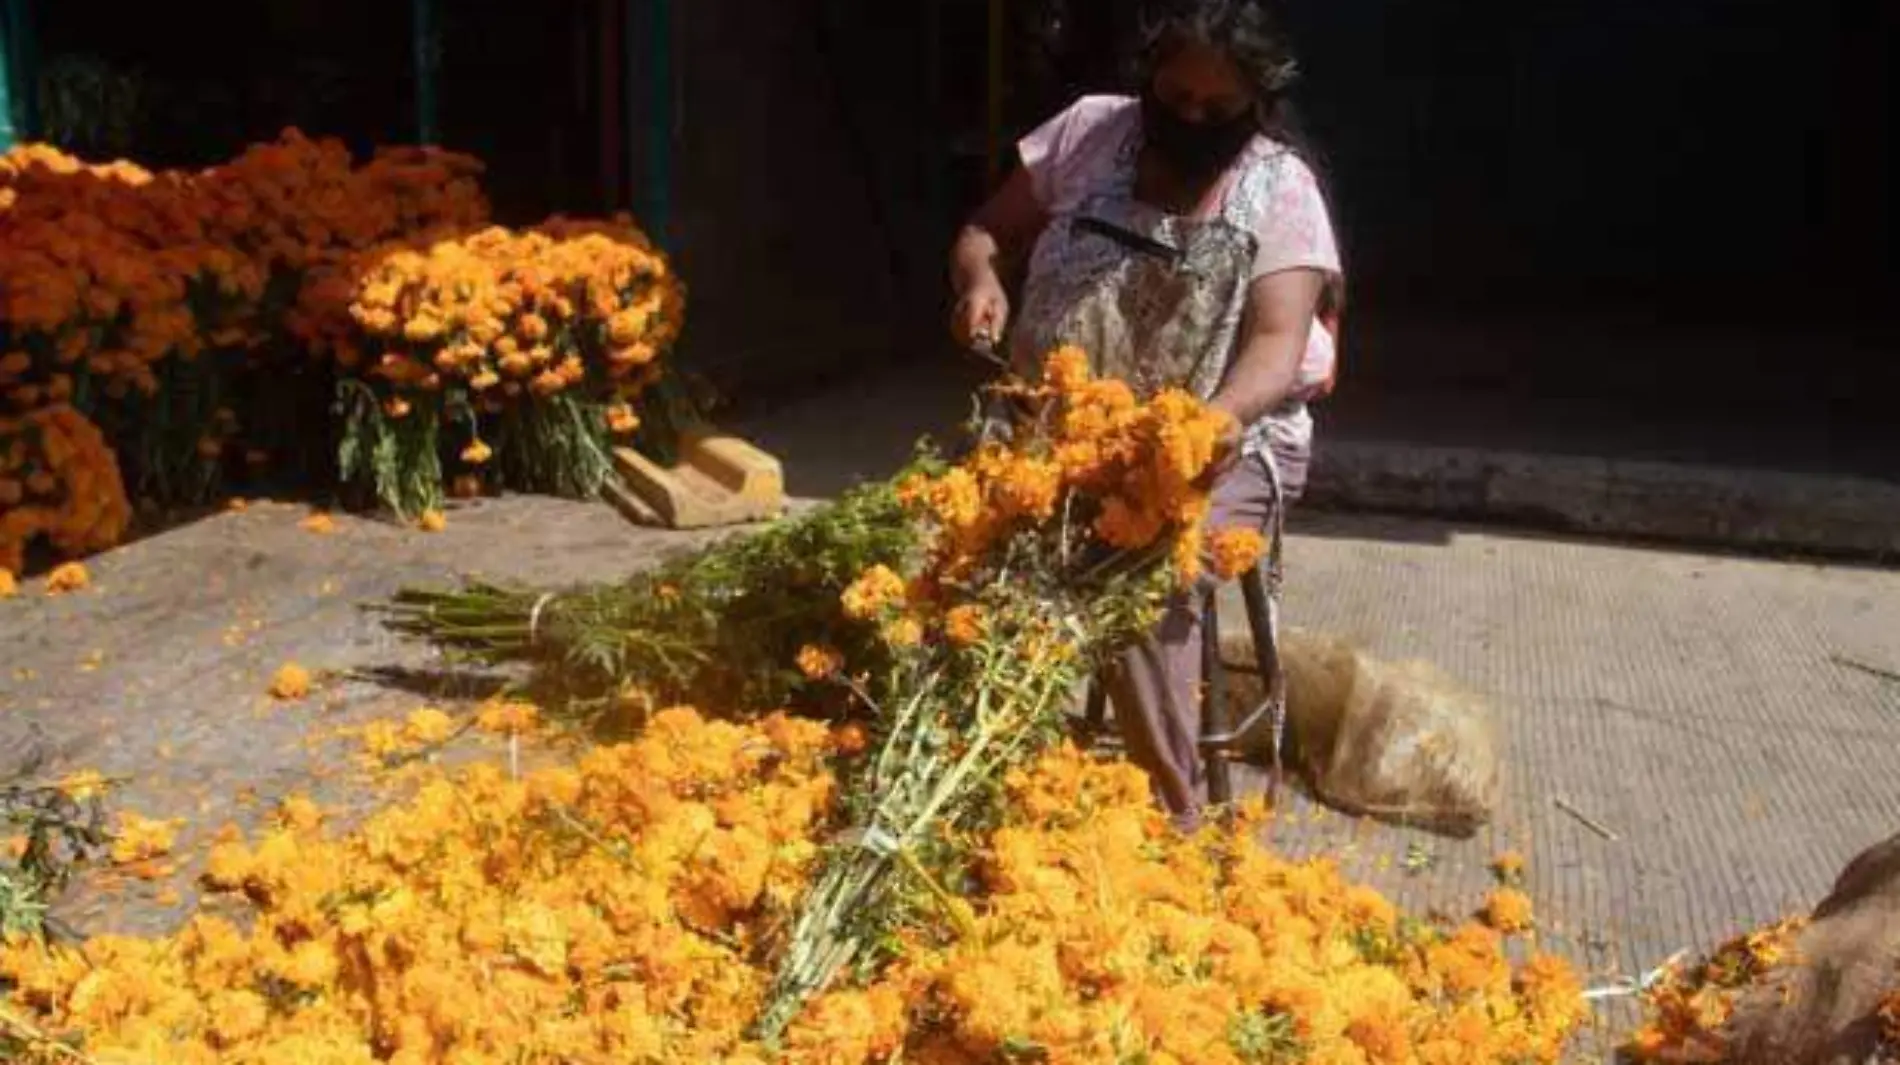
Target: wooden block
x=722, y=480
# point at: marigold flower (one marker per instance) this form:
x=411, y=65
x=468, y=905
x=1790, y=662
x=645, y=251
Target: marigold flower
x=1508, y=867
x=432, y=521
x=68, y=577
x=9, y=586
x=82, y=785
x=1234, y=550
x=142, y=838
x=507, y=718
x=903, y=631
x=290, y=683
x=320, y=523
x=621, y=419
x=1508, y=910
x=477, y=452
x=877, y=589
x=965, y=625
x=818, y=662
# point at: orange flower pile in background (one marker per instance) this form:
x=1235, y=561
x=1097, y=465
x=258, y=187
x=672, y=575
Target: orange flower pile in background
x=622, y=908
x=111, y=269
x=58, y=481
x=204, y=319
x=502, y=316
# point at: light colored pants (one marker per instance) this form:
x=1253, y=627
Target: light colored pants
x=1155, y=685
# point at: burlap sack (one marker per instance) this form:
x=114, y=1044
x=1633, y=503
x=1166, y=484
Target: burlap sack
x=1821, y=1009
x=1397, y=741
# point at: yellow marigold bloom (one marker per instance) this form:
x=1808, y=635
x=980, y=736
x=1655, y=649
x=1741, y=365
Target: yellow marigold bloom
x=69, y=577
x=432, y=521
x=877, y=589
x=9, y=587
x=141, y=838
x=1234, y=550
x=427, y=724
x=1508, y=867
x=83, y=785
x=477, y=452
x=508, y=718
x=1508, y=910
x=818, y=662
x=1066, y=369
x=290, y=683
x=396, y=407
x=965, y=625
x=621, y=419
x=903, y=632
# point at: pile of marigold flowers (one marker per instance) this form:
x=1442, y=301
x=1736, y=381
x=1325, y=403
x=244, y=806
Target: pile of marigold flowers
x=58, y=481
x=206, y=320
x=626, y=907
x=502, y=349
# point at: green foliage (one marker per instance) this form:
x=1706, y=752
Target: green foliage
x=720, y=627
x=59, y=834
x=1262, y=1038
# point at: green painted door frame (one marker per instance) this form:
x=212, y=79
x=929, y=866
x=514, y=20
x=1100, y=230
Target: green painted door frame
x=649, y=43
x=17, y=117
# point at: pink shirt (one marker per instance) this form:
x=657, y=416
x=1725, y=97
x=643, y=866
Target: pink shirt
x=1074, y=156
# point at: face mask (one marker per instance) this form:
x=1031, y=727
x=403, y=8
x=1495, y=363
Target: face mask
x=1195, y=150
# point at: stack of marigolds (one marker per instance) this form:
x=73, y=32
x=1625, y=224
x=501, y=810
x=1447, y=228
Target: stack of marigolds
x=204, y=320
x=617, y=910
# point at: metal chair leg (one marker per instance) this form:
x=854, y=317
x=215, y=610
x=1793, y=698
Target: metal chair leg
x=1096, y=716
x=1214, y=716
x=1259, y=590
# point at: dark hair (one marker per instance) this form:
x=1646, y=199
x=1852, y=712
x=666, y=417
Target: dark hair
x=1248, y=32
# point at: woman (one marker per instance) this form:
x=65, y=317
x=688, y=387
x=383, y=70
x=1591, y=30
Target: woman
x=1180, y=239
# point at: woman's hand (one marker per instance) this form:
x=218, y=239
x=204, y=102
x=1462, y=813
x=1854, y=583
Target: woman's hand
x=982, y=313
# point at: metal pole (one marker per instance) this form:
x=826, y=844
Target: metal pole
x=651, y=51
x=15, y=91
x=7, y=134
x=428, y=64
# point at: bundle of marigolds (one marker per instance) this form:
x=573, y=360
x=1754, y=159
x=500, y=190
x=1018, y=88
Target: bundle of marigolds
x=615, y=910
x=512, y=357
x=58, y=481
x=722, y=625
x=1044, y=554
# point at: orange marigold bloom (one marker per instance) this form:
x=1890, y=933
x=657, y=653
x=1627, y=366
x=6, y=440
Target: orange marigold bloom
x=290, y=683
x=1235, y=550
x=9, y=586
x=69, y=577
x=879, y=587
x=965, y=625
x=621, y=420
x=1508, y=867
x=477, y=452
x=432, y=521
x=1508, y=910
x=818, y=662
x=320, y=523
x=507, y=718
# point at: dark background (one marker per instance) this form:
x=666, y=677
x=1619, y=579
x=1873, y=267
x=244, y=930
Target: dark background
x=1603, y=215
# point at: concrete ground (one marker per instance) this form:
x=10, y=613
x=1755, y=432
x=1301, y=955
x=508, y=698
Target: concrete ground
x=1732, y=723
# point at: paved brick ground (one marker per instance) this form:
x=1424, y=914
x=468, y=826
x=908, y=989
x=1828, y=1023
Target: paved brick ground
x=1697, y=706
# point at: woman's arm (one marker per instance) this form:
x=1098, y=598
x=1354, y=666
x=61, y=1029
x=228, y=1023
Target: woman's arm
x=1000, y=233
x=1280, y=309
